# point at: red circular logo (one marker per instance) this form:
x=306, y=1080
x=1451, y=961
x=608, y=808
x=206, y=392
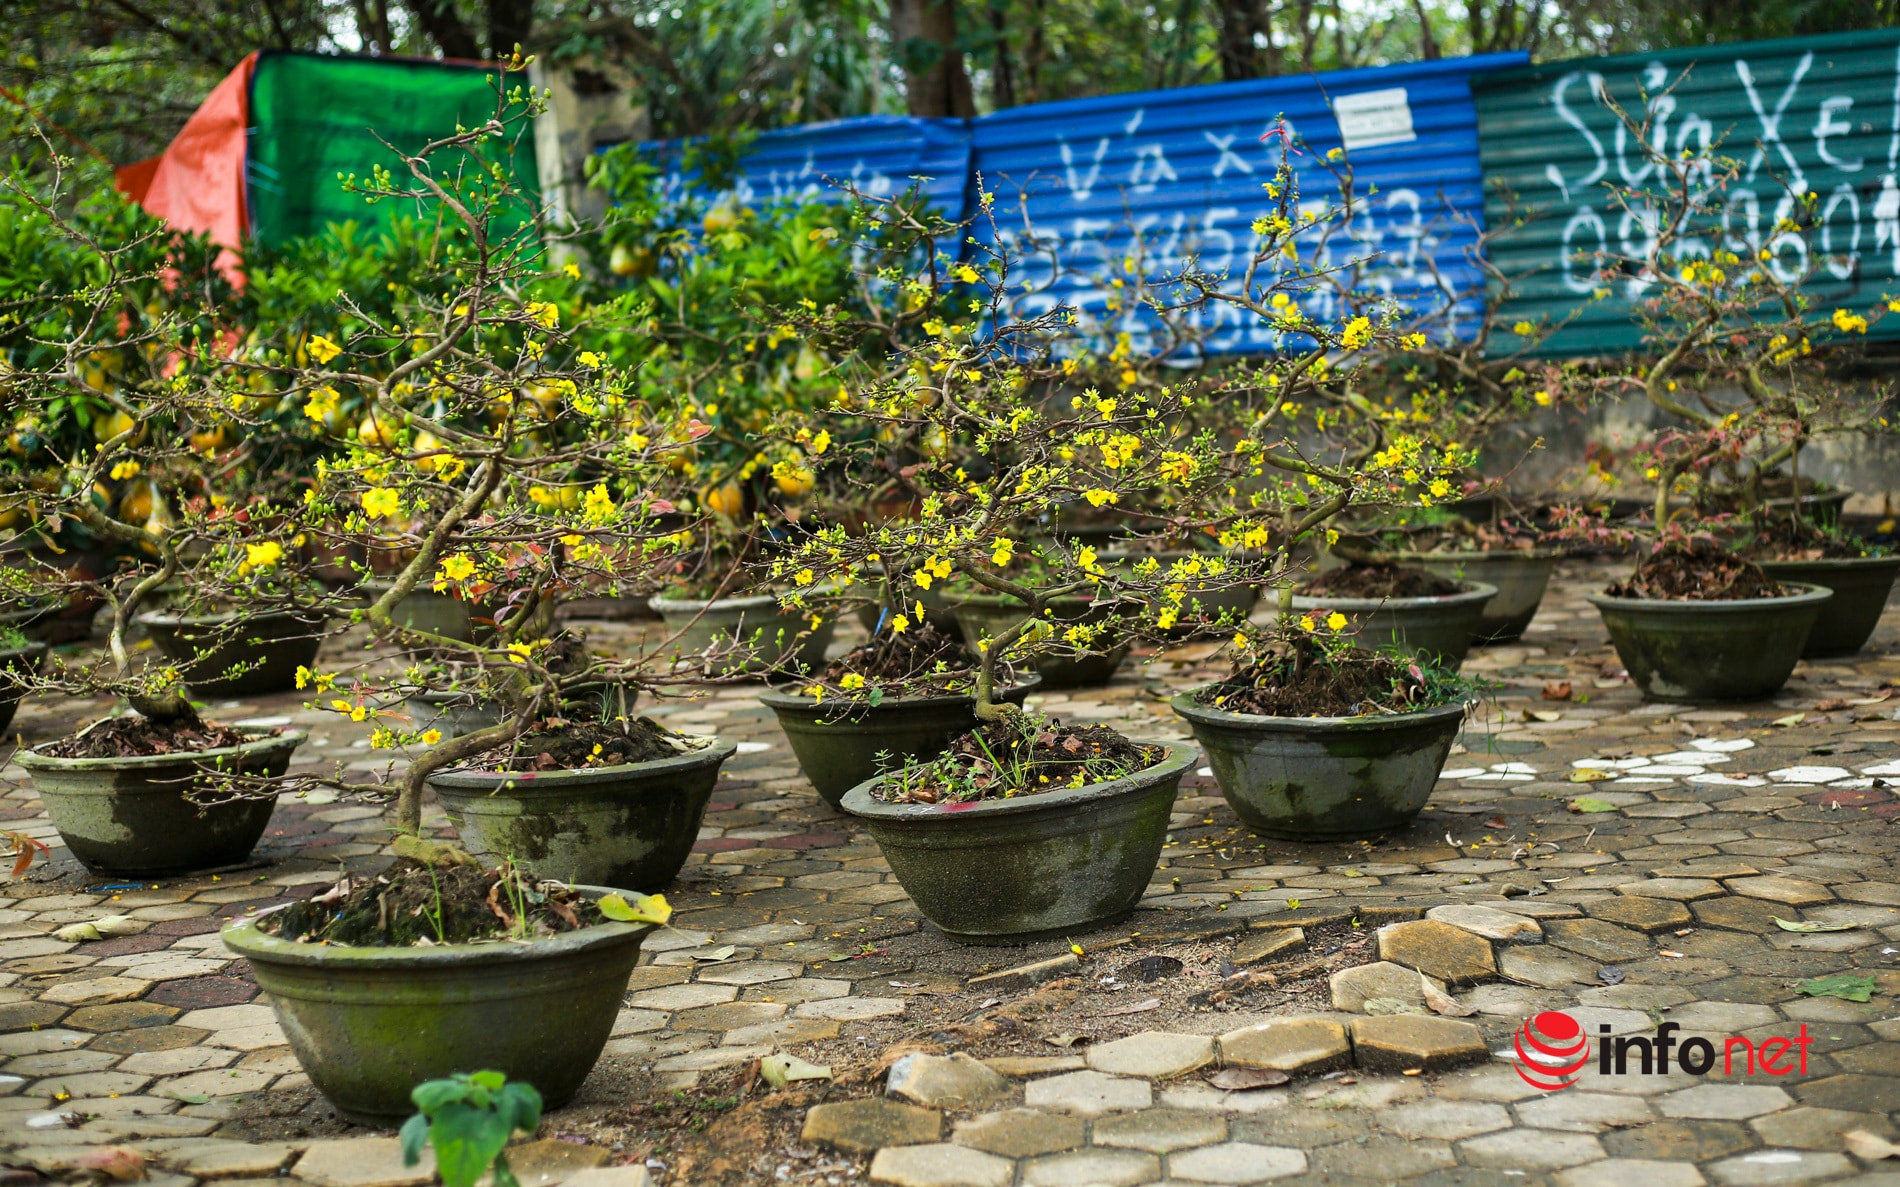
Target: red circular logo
x=1551, y=1050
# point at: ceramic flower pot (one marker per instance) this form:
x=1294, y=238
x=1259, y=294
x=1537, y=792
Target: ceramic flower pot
x=1860, y=584
x=751, y=636
x=629, y=827
x=369, y=1024
x=1682, y=650
x=1056, y=863
x=1520, y=575
x=1440, y=627
x=1206, y=602
x=232, y=655
x=131, y=816
x=1324, y=778
x=838, y=742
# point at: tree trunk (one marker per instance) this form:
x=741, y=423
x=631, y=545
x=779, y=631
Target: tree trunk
x=1242, y=24
x=935, y=82
x=509, y=23
x=443, y=25
x=1003, y=76
x=1427, y=44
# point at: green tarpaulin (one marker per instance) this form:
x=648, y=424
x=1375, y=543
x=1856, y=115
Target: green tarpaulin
x=314, y=116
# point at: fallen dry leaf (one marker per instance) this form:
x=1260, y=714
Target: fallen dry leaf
x=1543, y=715
x=1557, y=690
x=1871, y=1147
x=1589, y=775
x=1833, y=704
x=1442, y=1002
x=1790, y=719
x=1141, y=1007
x=114, y=1162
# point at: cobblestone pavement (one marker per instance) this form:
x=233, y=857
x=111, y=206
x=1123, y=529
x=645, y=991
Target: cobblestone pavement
x=1665, y=904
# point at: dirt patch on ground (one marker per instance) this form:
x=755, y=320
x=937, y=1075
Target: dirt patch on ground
x=1701, y=573
x=1019, y=756
x=411, y=904
x=1299, y=679
x=1378, y=581
x=132, y=736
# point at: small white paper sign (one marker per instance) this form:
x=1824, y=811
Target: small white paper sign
x=1371, y=118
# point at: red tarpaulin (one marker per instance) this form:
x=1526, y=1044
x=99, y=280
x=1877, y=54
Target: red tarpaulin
x=197, y=183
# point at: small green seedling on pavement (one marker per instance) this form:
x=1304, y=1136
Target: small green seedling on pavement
x=468, y=1119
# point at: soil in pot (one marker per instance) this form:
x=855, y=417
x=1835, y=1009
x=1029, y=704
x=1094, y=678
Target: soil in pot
x=1026, y=829
x=428, y=970
x=120, y=792
x=1396, y=606
x=1309, y=745
x=606, y=803
x=893, y=700
x=1699, y=624
x=238, y=654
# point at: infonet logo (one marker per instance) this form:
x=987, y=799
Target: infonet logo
x=1553, y=1050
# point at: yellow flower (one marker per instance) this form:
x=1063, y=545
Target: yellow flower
x=1336, y=621
x=900, y=624
x=1414, y=341
x=320, y=405
x=1098, y=496
x=1357, y=333
x=1542, y=398
x=589, y=359
x=382, y=739
x=545, y=312
x=598, y=506
x=1524, y=329
x=381, y=503
x=573, y=272
x=1306, y=622
x=851, y=682
x=518, y=653
x=431, y=737
x=1849, y=323
x=359, y=712
x=124, y=470
x=1440, y=488
x=965, y=273
x=323, y=350
x=821, y=442
x=1002, y=551
x=262, y=556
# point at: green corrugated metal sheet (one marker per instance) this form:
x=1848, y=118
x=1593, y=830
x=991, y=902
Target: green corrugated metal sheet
x=314, y=116
x=1816, y=114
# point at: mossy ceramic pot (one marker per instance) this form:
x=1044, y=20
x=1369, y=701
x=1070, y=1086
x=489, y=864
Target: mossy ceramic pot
x=752, y=636
x=1055, y=863
x=1440, y=627
x=1687, y=650
x=1861, y=585
x=234, y=654
x=369, y=1024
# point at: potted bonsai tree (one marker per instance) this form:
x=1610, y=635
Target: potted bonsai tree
x=1732, y=370
x=113, y=364
x=504, y=951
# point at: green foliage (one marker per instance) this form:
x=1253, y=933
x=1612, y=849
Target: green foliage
x=468, y=1119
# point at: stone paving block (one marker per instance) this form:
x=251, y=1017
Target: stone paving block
x=611, y=1176
x=1034, y=1065
x=1804, y=1128
x=362, y=1162
x=1531, y=1150
x=955, y=1081
x=1380, y=1158
x=1546, y=966
x=1446, y=1120
x=1739, y=914
x=1584, y=1112
x=1681, y=889
x=1153, y=1054
x=1450, y=954
x=97, y=990
x=1352, y=988
x=1160, y=1131
x=1296, y=1046
x=1642, y=913
x=1724, y=1102
x=851, y=1009
x=1106, y=1167
x=679, y=997
x=1405, y=1041
x=1631, y=1172
x=784, y=1032
x=1023, y=1133
x=1596, y=940
x=1773, y=1167
x=1489, y=923
x=1265, y=945
x=871, y=1123
x=1793, y=892
x=1088, y=1093
x=549, y=1161
x=940, y=1166
x=1236, y=1162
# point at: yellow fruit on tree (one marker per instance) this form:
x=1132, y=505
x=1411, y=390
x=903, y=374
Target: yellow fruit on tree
x=376, y=431
x=209, y=440
x=136, y=504
x=795, y=482
x=727, y=499
x=105, y=428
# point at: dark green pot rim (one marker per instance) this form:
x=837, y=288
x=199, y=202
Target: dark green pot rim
x=243, y=938
x=777, y=698
x=527, y=782
x=1836, y=562
x=31, y=649
x=1185, y=705
x=998, y=601
x=1692, y=606
x=661, y=604
x=1493, y=554
x=859, y=801
x=1475, y=591
x=159, y=618
x=264, y=745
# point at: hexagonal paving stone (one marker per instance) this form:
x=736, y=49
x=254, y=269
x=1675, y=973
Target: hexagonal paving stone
x=1445, y=1120
x=1531, y=1150
x=1644, y=914
x=1107, y=1167
x=1297, y=1046
x=1352, y=988
x=1804, y=1128
x=1739, y=914
x=1159, y=1131
x=1766, y=1167
x=362, y=1162
x=1406, y=1041
x=1489, y=923
x=871, y=1123
x=1547, y=967
x=1379, y=1158
x=955, y=1081
x=1596, y=940
x=1088, y=1093
x=1683, y=889
x=1022, y=1133
x=1793, y=892
x=1236, y=1162
x=1585, y=1112
x=1724, y=1102
x=1440, y=950
x=1631, y=1172
x=1155, y=1054
x=941, y=1166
